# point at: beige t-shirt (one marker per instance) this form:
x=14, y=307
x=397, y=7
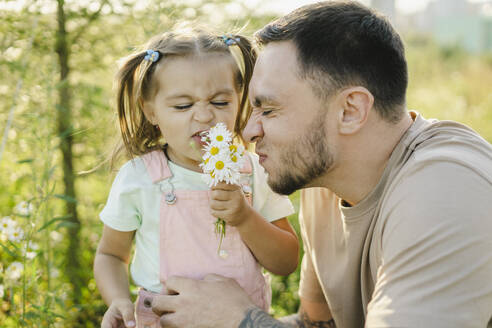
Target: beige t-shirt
x=417, y=251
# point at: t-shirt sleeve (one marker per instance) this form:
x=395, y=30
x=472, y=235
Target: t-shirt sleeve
x=436, y=251
x=309, y=286
x=269, y=204
x=121, y=211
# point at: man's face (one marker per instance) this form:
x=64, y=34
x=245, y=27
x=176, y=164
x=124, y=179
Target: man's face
x=288, y=122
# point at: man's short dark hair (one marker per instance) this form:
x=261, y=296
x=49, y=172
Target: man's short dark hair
x=344, y=43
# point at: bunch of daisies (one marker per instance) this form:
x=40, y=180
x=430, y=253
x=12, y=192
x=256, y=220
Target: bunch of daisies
x=222, y=159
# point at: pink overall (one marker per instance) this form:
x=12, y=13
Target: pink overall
x=188, y=244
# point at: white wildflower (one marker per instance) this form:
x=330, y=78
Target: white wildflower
x=221, y=162
x=218, y=135
x=56, y=236
x=7, y=224
x=33, y=246
x=31, y=250
x=220, y=168
x=15, y=234
x=2, y=292
x=14, y=271
x=24, y=208
x=222, y=159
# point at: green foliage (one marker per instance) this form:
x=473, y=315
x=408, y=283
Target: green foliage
x=444, y=83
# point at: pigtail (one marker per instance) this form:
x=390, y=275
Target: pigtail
x=249, y=55
x=137, y=133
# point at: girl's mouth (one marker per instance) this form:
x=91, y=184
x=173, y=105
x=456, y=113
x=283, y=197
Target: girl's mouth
x=197, y=138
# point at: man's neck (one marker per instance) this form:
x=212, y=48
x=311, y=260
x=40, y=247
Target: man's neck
x=360, y=170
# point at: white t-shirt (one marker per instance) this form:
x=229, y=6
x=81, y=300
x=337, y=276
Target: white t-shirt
x=133, y=204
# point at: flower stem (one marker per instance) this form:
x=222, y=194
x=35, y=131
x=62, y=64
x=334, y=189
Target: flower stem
x=220, y=229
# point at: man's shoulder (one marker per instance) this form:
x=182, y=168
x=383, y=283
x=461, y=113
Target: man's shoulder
x=446, y=179
x=449, y=144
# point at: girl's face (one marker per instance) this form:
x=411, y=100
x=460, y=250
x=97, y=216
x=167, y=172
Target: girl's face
x=193, y=94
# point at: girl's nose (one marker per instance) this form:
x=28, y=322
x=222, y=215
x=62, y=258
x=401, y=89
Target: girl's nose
x=253, y=129
x=203, y=113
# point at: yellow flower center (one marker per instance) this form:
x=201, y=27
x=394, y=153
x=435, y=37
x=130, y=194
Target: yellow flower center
x=214, y=151
x=233, y=148
x=206, y=161
x=234, y=158
x=212, y=174
x=219, y=138
x=219, y=165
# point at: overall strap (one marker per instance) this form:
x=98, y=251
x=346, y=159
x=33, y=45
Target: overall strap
x=156, y=164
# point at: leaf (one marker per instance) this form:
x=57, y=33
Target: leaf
x=50, y=222
x=14, y=245
x=66, y=198
x=32, y=315
x=8, y=251
x=27, y=160
x=67, y=224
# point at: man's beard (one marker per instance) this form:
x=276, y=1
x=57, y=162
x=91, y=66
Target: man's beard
x=307, y=159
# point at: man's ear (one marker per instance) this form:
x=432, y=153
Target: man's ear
x=355, y=103
x=148, y=110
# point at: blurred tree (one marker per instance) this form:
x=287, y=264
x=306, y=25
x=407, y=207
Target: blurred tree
x=64, y=41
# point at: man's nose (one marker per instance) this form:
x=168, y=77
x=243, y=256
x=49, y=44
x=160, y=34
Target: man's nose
x=253, y=129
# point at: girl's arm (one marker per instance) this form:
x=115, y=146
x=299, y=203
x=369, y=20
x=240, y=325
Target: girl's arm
x=274, y=245
x=111, y=264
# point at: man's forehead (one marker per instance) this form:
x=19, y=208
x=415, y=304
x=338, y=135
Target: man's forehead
x=275, y=54
x=276, y=64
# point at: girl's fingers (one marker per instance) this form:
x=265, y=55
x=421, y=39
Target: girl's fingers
x=226, y=186
x=221, y=195
x=219, y=206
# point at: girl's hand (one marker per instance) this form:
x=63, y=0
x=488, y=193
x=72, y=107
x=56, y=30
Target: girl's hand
x=228, y=203
x=121, y=313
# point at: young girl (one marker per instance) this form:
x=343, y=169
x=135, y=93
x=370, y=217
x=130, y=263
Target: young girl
x=168, y=95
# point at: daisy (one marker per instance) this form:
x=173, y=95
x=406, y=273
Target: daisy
x=219, y=135
x=7, y=224
x=222, y=161
x=16, y=234
x=236, y=155
x=212, y=149
x=14, y=271
x=24, y=208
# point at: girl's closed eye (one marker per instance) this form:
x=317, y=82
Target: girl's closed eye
x=266, y=112
x=218, y=103
x=182, y=106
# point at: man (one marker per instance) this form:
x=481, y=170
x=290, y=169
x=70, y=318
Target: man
x=402, y=234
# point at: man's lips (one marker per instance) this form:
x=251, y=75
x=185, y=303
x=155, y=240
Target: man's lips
x=262, y=156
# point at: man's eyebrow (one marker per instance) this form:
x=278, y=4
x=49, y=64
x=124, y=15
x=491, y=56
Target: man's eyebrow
x=262, y=100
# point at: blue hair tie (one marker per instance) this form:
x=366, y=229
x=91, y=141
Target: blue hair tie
x=229, y=40
x=152, y=55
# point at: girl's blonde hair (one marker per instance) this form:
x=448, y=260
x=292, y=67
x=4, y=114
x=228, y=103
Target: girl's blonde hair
x=134, y=81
